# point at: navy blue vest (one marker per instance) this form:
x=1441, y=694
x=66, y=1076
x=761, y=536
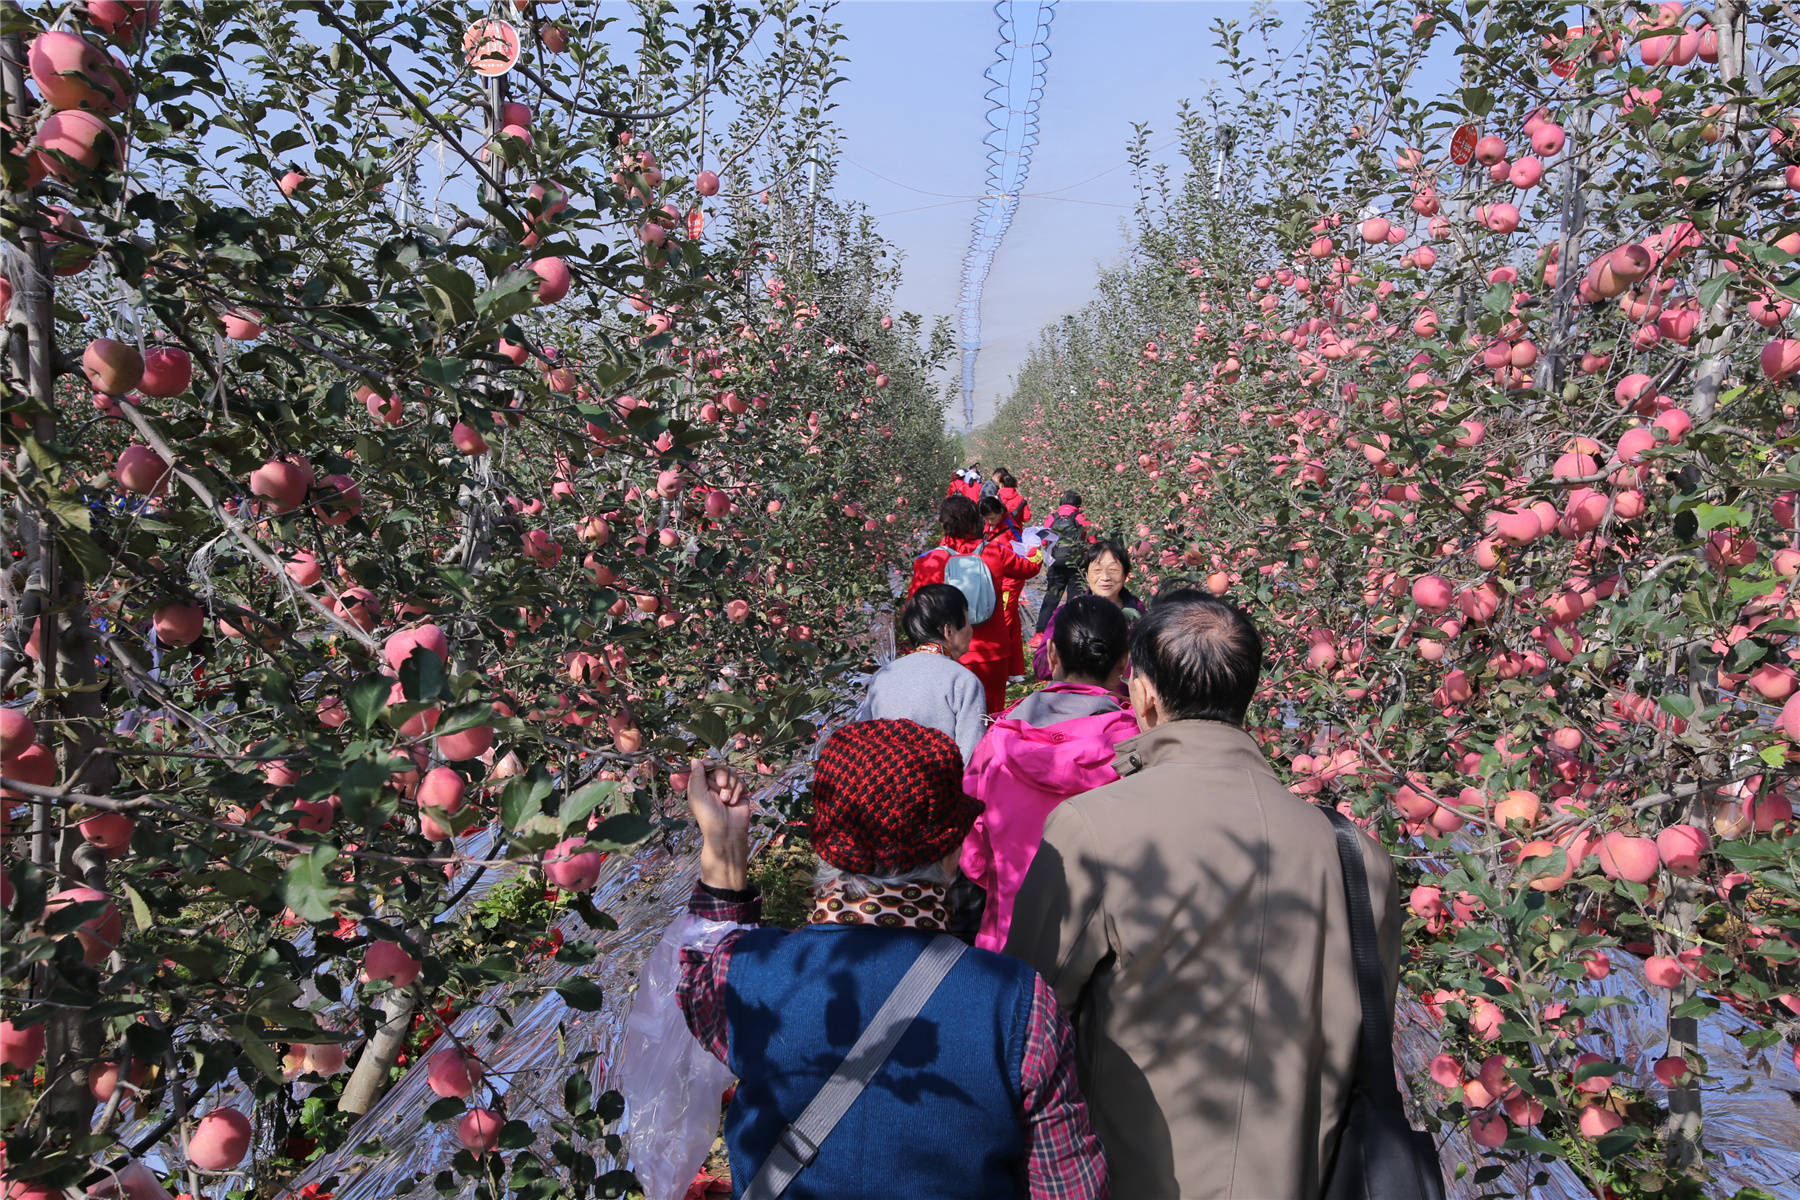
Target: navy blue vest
x=942, y=1119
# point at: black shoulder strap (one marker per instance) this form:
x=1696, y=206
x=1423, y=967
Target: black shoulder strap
x=1375, y=1066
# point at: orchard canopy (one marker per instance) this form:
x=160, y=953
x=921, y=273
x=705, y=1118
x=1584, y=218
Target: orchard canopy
x=426, y=429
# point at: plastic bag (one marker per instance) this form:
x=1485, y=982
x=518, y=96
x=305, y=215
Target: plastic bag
x=671, y=1083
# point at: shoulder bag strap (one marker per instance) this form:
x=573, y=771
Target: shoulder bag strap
x=799, y=1143
x=1375, y=1060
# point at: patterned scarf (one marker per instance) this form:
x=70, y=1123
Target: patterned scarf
x=907, y=906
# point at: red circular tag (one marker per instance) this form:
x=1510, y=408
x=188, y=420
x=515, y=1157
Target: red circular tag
x=1462, y=145
x=492, y=47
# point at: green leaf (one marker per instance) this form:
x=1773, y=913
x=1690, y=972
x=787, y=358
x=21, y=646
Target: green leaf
x=1785, y=481
x=1698, y=1006
x=443, y=370
x=308, y=890
x=578, y=1093
x=709, y=728
x=422, y=677
x=516, y=1135
x=140, y=912
x=366, y=698
x=582, y=995
x=15, y=1104
x=72, y=512
x=586, y=801
x=620, y=832
x=1619, y=1141
x=1712, y=289
x=91, y=561
x=1583, y=1074
x=1712, y=516
x=443, y=1110
x=449, y=291
x=514, y=294
x=258, y=1052
x=523, y=799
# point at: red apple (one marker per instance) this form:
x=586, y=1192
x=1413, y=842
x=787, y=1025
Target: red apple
x=178, y=624
x=167, y=372
x=554, y=273
x=17, y=731
x=570, y=868
x=220, y=1140
x=466, y=744
x=99, y=934
x=283, y=482
x=478, y=1130
x=453, y=1072
x=112, y=366
x=21, y=1046
x=110, y=832
x=388, y=961
x=140, y=469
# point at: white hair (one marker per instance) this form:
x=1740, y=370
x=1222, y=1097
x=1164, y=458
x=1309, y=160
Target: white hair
x=850, y=885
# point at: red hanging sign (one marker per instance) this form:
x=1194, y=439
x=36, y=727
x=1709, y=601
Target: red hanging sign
x=492, y=47
x=1462, y=145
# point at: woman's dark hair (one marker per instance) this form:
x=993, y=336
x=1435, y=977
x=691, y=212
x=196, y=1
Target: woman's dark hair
x=1202, y=655
x=1006, y=478
x=1072, y=497
x=933, y=609
x=958, y=517
x=1092, y=635
x=1112, y=546
x=990, y=506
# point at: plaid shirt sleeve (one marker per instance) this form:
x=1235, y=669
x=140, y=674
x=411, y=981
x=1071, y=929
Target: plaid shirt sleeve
x=701, y=992
x=1064, y=1161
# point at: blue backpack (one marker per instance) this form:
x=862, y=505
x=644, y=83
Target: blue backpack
x=968, y=574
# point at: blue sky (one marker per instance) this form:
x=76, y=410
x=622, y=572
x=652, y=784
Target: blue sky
x=913, y=112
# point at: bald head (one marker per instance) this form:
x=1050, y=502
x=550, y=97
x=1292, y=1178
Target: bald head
x=1202, y=655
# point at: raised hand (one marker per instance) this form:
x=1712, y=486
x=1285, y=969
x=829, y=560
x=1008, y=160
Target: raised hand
x=721, y=806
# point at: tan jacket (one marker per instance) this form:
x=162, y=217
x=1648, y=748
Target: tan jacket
x=1191, y=919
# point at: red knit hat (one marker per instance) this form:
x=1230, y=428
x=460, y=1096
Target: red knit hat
x=888, y=797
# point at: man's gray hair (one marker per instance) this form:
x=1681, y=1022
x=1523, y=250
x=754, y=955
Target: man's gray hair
x=852, y=886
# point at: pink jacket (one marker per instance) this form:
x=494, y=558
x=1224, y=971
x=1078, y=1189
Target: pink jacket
x=1053, y=744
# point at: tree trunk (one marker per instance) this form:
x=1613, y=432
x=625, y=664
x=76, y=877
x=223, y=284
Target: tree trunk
x=1736, y=143
x=65, y=679
x=1681, y=1130
x=370, y=1078
x=1554, y=367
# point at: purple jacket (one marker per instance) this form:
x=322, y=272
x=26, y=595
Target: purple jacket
x=1053, y=744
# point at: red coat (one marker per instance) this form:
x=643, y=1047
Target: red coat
x=1011, y=591
x=1017, y=507
x=1010, y=572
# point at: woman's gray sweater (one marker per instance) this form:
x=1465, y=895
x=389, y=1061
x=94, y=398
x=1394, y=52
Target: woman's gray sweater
x=933, y=689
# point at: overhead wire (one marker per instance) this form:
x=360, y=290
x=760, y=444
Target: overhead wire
x=1018, y=72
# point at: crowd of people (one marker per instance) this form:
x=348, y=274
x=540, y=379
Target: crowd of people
x=1158, y=997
